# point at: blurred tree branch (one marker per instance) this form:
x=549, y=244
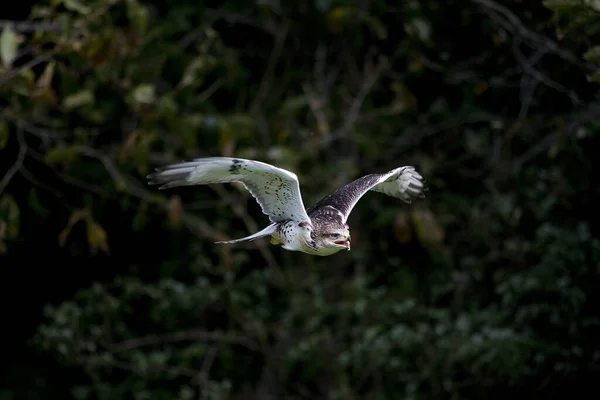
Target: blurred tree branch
x=512, y=24
x=30, y=26
x=182, y=336
x=268, y=76
x=18, y=162
x=10, y=74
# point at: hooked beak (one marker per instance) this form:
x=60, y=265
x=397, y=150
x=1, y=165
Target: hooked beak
x=345, y=243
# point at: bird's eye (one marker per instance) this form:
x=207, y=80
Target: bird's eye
x=335, y=235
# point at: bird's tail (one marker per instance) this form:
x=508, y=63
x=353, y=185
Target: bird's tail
x=268, y=231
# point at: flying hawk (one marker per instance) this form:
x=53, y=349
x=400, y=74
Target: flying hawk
x=320, y=230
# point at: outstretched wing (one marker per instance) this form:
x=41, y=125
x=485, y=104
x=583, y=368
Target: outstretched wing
x=276, y=190
x=403, y=183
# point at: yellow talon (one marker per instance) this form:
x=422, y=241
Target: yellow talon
x=274, y=241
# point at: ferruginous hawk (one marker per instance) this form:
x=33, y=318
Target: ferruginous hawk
x=320, y=230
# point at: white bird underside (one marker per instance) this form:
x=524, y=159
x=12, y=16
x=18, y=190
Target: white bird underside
x=277, y=191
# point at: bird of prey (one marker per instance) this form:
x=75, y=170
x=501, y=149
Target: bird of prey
x=320, y=230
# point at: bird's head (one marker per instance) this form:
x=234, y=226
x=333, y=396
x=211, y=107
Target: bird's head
x=333, y=238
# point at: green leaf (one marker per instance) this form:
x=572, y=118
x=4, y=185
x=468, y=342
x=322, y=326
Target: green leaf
x=62, y=155
x=593, y=4
x=78, y=99
x=76, y=6
x=420, y=28
x=138, y=15
x=40, y=11
x=193, y=74
x=45, y=79
x=144, y=94
x=10, y=214
x=96, y=236
x=561, y=5
x=9, y=44
x=593, y=55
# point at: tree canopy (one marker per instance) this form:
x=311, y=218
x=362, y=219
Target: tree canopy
x=484, y=289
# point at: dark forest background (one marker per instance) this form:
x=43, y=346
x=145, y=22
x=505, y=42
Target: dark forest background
x=113, y=290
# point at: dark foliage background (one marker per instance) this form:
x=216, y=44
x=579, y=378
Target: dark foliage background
x=484, y=290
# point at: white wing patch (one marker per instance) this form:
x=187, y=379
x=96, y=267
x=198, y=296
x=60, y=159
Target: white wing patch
x=403, y=183
x=276, y=190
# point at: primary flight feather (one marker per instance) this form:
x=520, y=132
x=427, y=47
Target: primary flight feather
x=322, y=229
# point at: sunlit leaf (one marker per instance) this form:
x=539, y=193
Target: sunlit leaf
x=593, y=55
x=40, y=11
x=43, y=88
x=560, y=5
x=45, y=79
x=594, y=4
x=77, y=6
x=96, y=236
x=78, y=99
x=137, y=14
x=144, y=94
x=75, y=217
x=419, y=28
x=9, y=44
x=193, y=72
